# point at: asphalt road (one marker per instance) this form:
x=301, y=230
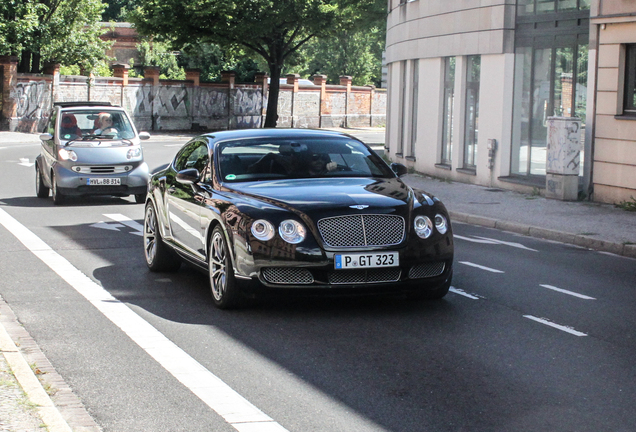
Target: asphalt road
x=534, y=335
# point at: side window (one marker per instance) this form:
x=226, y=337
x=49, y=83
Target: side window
x=629, y=107
x=194, y=155
x=50, y=128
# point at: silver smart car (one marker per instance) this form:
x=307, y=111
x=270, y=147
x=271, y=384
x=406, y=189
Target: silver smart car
x=91, y=148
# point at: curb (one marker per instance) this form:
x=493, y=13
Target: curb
x=626, y=250
x=67, y=413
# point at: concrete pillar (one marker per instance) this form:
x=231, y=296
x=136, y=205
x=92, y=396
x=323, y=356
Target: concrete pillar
x=345, y=80
x=193, y=75
x=563, y=158
x=261, y=78
x=54, y=70
x=292, y=79
x=228, y=77
x=9, y=79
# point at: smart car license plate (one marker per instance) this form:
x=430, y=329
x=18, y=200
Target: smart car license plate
x=367, y=260
x=115, y=181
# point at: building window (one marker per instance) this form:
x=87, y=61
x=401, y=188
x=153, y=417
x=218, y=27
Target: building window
x=414, y=103
x=448, y=116
x=629, y=106
x=471, y=128
x=530, y=7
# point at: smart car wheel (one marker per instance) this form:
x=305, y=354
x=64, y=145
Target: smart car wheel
x=58, y=198
x=222, y=282
x=40, y=188
x=159, y=257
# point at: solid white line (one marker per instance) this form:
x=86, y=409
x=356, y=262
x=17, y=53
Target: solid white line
x=463, y=293
x=567, y=292
x=234, y=408
x=556, y=326
x=481, y=267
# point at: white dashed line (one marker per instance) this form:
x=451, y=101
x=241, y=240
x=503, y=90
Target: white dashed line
x=480, y=267
x=556, y=326
x=561, y=290
x=234, y=408
x=463, y=293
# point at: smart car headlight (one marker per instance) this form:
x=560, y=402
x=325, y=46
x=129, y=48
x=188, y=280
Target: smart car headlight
x=441, y=224
x=423, y=226
x=262, y=229
x=292, y=231
x=67, y=155
x=133, y=153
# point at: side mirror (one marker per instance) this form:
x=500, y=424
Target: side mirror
x=188, y=176
x=144, y=135
x=46, y=137
x=399, y=169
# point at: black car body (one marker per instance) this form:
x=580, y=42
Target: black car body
x=243, y=205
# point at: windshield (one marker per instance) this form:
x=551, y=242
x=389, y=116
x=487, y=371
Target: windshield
x=91, y=124
x=257, y=159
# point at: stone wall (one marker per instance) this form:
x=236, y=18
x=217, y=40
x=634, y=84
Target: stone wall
x=157, y=104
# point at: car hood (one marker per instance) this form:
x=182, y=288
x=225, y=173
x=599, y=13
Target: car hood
x=322, y=197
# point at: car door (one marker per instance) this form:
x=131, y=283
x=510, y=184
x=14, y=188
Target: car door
x=48, y=150
x=183, y=202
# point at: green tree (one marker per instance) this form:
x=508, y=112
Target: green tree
x=272, y=29
x=62, y=31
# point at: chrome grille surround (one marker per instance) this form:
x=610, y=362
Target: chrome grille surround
x=287, y=275
x=427, y=270
x=118, y=169
x=362, y=230
x=380, y=275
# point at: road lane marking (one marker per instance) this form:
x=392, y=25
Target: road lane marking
x=481, y=267
x=556, y=326
x=234, y=408
x=462, y=293
x=25, y=162
x=572, y=293
x=139, y=228
x=487, y=240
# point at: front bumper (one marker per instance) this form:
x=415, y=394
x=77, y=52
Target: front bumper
x=132, y=183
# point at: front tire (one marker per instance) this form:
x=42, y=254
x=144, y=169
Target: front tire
x=41, y=190
x=58, y=197
x=159, y=257
x=225, y=292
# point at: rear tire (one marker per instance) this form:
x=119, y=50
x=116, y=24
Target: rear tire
x=225, y=292
x=58, y=197
x=159, y=257
x=41, y=190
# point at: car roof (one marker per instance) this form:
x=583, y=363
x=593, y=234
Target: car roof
x=84, y=104
x=273, y=133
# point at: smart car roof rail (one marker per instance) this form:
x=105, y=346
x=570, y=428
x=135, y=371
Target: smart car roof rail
x=86, y=103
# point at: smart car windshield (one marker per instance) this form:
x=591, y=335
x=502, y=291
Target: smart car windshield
x=257, y=159
x=94, y=124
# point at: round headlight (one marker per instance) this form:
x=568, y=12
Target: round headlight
x=262, y=230
x=68, y=155
x=292, y=231
x=423, y=226
x=133, y=153
x=441, y=224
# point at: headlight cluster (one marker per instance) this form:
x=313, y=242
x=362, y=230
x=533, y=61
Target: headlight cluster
x=134, y=153
x=424, y=226
x=290, y=230
x=67, y=155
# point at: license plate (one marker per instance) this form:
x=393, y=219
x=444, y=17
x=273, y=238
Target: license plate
x=367, y=260
x=114, y=181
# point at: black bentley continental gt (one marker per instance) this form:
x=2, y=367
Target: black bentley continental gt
x=295, y=210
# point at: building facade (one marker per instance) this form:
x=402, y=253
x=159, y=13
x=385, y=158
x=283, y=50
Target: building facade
x=473, y=83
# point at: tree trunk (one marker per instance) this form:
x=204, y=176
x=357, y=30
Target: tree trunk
x=35, y=63
x=25, y=62
x=272, y=100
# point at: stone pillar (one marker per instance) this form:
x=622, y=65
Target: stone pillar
x=193, y=75
x=292, y=79
x=321, y=80
x=261, y=79
x=9, y=79
x=120, y=70
x=152, y=73
x=54, y=70
x=345, y=80
x=563, y=158
x=228, y=77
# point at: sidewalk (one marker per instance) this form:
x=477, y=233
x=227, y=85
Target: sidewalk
x=600, y=227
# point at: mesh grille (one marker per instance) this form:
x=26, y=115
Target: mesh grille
x=427, y=270
x=362, y=230
x=287, y=275
x=102, y=169
x=364, y=276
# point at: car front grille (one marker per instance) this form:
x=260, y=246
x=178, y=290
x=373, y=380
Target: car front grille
x=118, y=169
x=427, y=270
x=287, y=276
x=362, y=230
x=342, y=277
